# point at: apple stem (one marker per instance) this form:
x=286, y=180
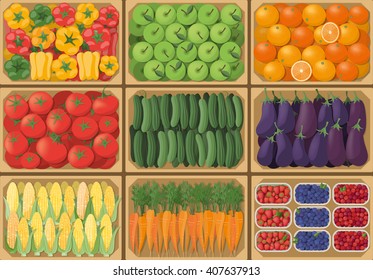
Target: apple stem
x=166, y=13
x=210, y=12
x=184, y=49
x=154, y=32
x=184, y=12
x=222, y=68
x=210, y=50
x=165, y=53
x=221, y=32
x=200, y=68
x=143, y=51
x=199, y=34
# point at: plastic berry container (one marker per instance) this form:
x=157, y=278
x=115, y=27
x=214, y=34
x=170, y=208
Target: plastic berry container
x=309, y=227
x=352, y=226
x=364, y=234
x=346, y=186
x=273, y=215
x=287, y=233
x=259, y=186
x=295, y=241
x=324, y=185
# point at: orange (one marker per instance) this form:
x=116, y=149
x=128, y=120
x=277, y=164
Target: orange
x=288, y=76
x=324, y=70
x=274, y=71
x=364, y=38
x=291, y=17
x=363, y=69
x=301, y=6
x=266, y=15
x=260, y=33
x=349, y=34
x=265, y=52
x=278, y=35
x=347, y=71
x=359, y=14
x=336, y=52
x=301, y=71
x=330, y=32
x=318, y=37
x=288, y=55
x=259, y=67
x=337, y=13
x=358, y=53
x=302, y=37
x=314, y=15
x=365, y=26
x=313, y=54
x=280, y=6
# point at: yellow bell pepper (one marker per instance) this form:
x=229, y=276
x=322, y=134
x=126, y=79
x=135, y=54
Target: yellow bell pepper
x=109, y=65
x=65, y=67
x=69, y=40
x=42, y=36
x=7, y=54
x=86, y=14
x=41, y=66
x=88, y=65
x=17, y=16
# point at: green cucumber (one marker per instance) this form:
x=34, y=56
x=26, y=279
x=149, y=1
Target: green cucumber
x=238, y=145
x=220, y=148
x=231, y=118
x=137, y=112
x=138, y=149
x=180, y=147
x=189, y=147
x=204, y=119
x=237, y=102
x=132, y=137
x=184, y=111
x=213, y=110
x=156, y=118
x=175, y=110
x=201, y=150
x=211, y=151
x=194, y=111
x=222, y=111
x=152, y=150
x=165, y=111
x=147, y=115
x=163, y=149
x=172, y=146
x=230, y=150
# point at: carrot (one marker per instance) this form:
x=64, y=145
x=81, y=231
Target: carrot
x=232, y=225
x=155, y=234
x=170, y=193
x=165, y=228
x=140, y=199
x=134, y=218
x=207, y=224
x=159, y=231
x=199, y=220
x=142, y=231
x=192, y=224
x=184, y=191
x=227, y=231
x=183, y=216
x=173, y=233
x=213, y=232
x=219, y=230
x=149, y=228
x=239, y=227
x=187, y=235
x=155, y=196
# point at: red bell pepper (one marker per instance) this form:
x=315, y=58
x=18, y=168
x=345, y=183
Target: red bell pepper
x=97, y=37
x=18, y=42
x=64, y=14
x=109, y=16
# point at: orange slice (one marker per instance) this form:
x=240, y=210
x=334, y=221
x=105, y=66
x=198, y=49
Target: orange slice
x=330, y=32
x=301, y=71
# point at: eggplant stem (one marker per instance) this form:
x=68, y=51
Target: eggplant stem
x=278, y=130
x=296, y=99
x=275, y=98
x=348, y=100
x=319, y=96
x=357, y=125
x=282, y=99
x=336, y=125
x=300, y=134
x=323, y=130
x=333, y=97
x=305, y=98
x=327, y=103
x=266, y=99
x=356, y=98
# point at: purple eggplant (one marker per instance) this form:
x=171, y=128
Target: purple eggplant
x=325, y=116
x=357, y=111
x=345, y=134
x=356, y=151
x=307, y=118
x=339, y=111
x=266, y=126
x=318, y=148
x=336, y=146
x=299, y=152
x=318, y=102
x=266, y=153
x=296, y=106
x=261, y=141
x=276, y=101
x=273, y=164
x=291, y=136
x=347, y=104
x=285, y=117
x=284, y=155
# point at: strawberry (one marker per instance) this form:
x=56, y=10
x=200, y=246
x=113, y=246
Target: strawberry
x=264, y=189
x=282, y=188
x=276, y=220
x=276, y=189
x=268, y=213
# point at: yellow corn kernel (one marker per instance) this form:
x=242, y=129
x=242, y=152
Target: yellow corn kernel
x=69, y=200
x=50, y=233
x=91, y=231
x=65, y=229
x=43, y=201
x=37, y=228
x=12, y=229
x=78, y=233
x=28, y=200
x=82, y=200
x=23, y=232
x=106, y=231
x=109, y=200
x=55, y=196
x=96, y=196
x=12, y=197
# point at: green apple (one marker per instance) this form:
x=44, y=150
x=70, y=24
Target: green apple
x=187, y=14
x=164, y=51
x=198, y=33
x=186, y=52
x=220, y=33
x=198, y=70
x=237, y=68
x=230, y=52
x=142, y=52
x=135, y=29
x=176, y=33
x=208, y=14
x=175, y=70
x=165, y=14
x=238, y=34
x=132, y=39
x=137, y=70
x=220, y=70
x=143, y=14
x=153, y=33
x=208, y=52
x=154, y=70
x=231, y=14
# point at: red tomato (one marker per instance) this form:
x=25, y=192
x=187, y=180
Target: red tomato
x=115, y=116
x=11, y=125
x=78, y=104
x=109, y=163
x=105, y=104
x=84, y=128
x=15, y=143
x=93, y=94
x=40, y=103
x=108, y=124
x=32, y=145
x=61, y=164
x=43, y=164
x=58, y=121
x=51, y=150
x=30, y=160
x=92, y=114
x=60, y=98
x=98, y=162
x=33, y=126
x=81, y=156
x=13, y=161
x=15, y=107
x=115, y=133
x=105, y=145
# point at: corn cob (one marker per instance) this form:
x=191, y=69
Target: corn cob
x=109, y=200
x=91, y=231
x=23, y=233
x=82, y=200
x=96, y=196
x=69, y=200
x=28, y=200
x=55, y=196
x=37, y=228
x=78, y=233
x=43, y=202
x=50, y=233
x=12, y=197
x=106, y=231
x=12, y=229
x=65, y=229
